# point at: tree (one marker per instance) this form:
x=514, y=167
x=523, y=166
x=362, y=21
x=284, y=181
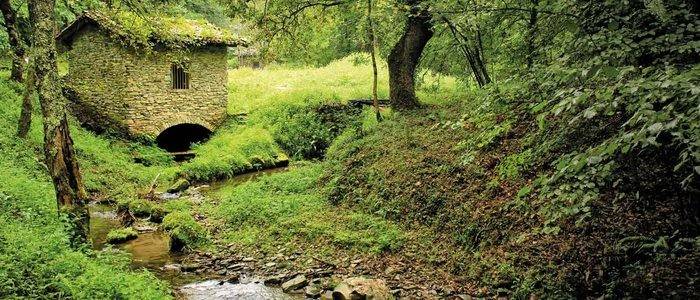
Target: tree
x=373, y=47
x=405, y=56
x=473, y=52
x=10, y=17
x=58, y=146
x=25, y=117
x=18, y=55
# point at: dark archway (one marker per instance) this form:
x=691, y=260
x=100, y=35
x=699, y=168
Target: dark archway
x=180, y=137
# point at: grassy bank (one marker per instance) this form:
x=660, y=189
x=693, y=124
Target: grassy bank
x=536, y=201
x=286, y=208
x=35, y=258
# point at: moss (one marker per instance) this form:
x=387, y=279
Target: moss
x=121, y=235
x=140, y=208
x=177, y=205
x=143, y=30
x=185, y=232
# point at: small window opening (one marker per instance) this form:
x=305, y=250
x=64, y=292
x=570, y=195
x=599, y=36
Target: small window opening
x=180, y=78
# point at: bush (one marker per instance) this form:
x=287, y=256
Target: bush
x=185, y=232
x=306, y=130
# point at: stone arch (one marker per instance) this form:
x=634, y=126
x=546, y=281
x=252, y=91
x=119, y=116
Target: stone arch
x=178, y=136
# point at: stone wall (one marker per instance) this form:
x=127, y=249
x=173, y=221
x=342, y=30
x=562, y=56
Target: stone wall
x=121, y=89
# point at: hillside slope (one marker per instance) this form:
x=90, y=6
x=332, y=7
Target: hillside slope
x=525, y=204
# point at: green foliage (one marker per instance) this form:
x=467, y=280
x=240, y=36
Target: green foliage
x=121, y=235
x=177, y=205
x=512, y=166
x=184, y=230
x=36, y=260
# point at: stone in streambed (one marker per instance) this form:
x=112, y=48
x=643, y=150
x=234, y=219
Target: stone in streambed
x=190, y=267
x=327, y=295
x=172, y=268
x=179, y=186
x=295, y=283
x=312, y=291
x=362, y=288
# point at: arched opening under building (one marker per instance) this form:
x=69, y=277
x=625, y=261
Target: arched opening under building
x=180, y=137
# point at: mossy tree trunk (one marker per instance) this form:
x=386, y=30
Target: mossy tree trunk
x=25, y=118
x=58, y=145
x=18, y=56
x=405, y=56
x=14, y=40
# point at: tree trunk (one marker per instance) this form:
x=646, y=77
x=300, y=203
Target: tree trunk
x=25, y=118
x=373, y=46
x=405, y=56
x=13, y=39
x=472, y=51
x=58, y=145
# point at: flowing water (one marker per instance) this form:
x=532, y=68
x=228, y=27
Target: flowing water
x=151, y=250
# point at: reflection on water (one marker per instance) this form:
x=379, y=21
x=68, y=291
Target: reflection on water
x=103, y=218
x=236, y=180
x=149, y=250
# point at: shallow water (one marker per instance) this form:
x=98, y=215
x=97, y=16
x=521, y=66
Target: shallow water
x=215, y=289
x=237, y=180
x=151, y=250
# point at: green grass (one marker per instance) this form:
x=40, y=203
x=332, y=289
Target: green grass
x=121, y=235
x=35, y=258
x=285, y=207
x=232, y=151
x=303, y=108
x=341, y=80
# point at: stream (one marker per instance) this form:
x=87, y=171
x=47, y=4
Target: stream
x=151, y=250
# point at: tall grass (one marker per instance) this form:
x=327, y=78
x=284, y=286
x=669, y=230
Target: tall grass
x=233, y=150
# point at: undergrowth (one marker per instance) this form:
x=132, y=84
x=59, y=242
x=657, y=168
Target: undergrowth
x=36, y=260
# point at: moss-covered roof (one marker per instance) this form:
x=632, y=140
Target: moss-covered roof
x=147, y=30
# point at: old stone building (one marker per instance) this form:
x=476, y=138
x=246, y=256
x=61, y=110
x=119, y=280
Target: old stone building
x=162, y=80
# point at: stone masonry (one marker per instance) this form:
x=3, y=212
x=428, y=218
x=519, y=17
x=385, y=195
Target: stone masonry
x=123, y=89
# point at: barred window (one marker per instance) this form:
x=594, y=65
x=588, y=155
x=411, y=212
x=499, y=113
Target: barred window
x=180, y=78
